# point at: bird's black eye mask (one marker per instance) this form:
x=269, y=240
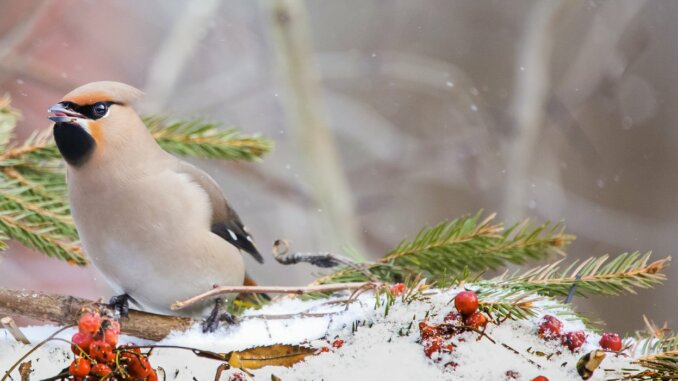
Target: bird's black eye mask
x=92, y=111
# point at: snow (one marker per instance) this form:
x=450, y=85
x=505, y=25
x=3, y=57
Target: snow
x=384, y=346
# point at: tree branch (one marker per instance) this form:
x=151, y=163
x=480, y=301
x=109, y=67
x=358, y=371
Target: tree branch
x=65, y=310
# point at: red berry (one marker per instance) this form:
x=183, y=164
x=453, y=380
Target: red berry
x=101, y=370
x=476, y=320
x=574, y=340
x=466, y=302
x=111, y=337
x=138, y=366
x=427, y=331
x=324, y=349
x=540, y=378
x=398, y=288
x=89, y=323
x=338, y=343
x=101, y=351
x=549, y=327
x=81, y=342
x=153, y=376
x=79, y=367
x=611, y=341
x=452, y=317
x=433, y=346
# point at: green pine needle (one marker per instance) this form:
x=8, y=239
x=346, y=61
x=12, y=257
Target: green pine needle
x=34, y=209
x=8, y=119
x=40, y=237
x=200, y=139
x=503, y=304
x=467, y=243
x=594, y=276
x=656, y=349
x=664, y=366
x=478, y=246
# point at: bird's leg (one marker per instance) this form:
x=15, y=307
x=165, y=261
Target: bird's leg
x=120, y=304
x=218, y=315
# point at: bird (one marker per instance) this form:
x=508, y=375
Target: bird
x=158, y=228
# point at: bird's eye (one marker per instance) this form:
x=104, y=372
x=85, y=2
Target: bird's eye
x=99, y=109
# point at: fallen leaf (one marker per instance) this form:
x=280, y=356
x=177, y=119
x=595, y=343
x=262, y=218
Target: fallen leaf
x=270, y=355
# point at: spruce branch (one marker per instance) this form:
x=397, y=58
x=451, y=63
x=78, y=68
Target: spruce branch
x=594, y=276
x=480, y=246
x=508, y=304
x=654, y=340
x=655, y=348
x=467, y=243
x=39, y=182
x=205, y=140
x=665, y=365
x=37, y=149
x=8, y=119
x=36, y=209
x=41, y=237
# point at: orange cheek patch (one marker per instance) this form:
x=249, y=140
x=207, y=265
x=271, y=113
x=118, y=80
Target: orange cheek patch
x=97, y=133
x=88, y=98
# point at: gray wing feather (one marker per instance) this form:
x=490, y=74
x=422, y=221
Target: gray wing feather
x=225, y=221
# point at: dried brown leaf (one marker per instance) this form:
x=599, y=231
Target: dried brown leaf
x=271, y=355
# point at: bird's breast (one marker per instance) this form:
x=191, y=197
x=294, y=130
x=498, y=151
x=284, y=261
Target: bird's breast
x=151, y=237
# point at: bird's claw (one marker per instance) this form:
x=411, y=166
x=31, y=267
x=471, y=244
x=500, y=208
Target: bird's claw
x=217, y=316
x=120, y=304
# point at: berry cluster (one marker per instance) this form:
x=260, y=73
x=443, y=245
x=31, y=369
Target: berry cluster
x=550, y=329
x=466, y=317
x=99, y=357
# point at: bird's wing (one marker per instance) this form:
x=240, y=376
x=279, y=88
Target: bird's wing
x=225, y=221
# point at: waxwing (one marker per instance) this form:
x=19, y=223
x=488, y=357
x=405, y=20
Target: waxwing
x=157, y=228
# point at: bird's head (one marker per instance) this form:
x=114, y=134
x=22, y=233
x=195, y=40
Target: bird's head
x=94, y=118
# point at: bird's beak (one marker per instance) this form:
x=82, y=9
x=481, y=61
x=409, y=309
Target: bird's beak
x=63, y=115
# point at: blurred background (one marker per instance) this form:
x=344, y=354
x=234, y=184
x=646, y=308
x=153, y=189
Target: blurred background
x=388, y=116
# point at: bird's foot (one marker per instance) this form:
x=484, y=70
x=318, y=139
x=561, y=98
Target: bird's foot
x=120, y=304
x=218, y=315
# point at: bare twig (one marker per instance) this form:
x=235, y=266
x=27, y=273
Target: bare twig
x=8, y=323
x=35, y=348
x=65, y=310
x=323, y=260
x=266, y=290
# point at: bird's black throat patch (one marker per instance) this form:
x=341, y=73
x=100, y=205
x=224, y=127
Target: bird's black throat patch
x=74, y=143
